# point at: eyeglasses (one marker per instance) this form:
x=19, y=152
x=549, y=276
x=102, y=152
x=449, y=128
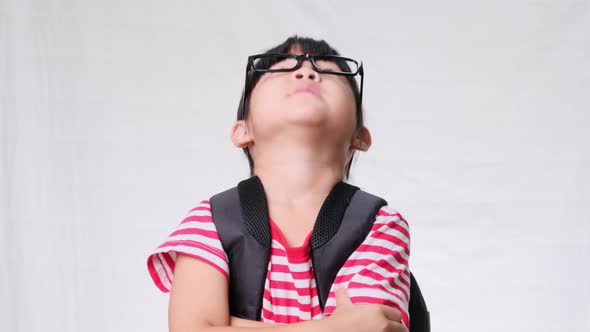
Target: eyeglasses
x=282, y=62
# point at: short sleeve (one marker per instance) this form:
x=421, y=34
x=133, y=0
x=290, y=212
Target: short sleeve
x=378, y=271
x=196, y=236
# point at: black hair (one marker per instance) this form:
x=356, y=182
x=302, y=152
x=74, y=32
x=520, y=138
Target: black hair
x=305, y=45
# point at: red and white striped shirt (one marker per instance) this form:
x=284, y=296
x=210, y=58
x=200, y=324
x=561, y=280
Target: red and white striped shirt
x=377, y=272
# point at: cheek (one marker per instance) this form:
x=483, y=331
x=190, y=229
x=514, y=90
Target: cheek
x=264, y=101
x=344, y=102
x=263, y=98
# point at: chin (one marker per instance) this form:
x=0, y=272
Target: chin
x=309, y=116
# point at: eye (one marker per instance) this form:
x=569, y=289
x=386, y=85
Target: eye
x=327, y=65
x=285, y=63
x=337, y=65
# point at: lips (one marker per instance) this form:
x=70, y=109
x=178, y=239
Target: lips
x=307, y=89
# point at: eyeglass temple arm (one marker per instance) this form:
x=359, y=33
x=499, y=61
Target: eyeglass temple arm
x=362, y=73
x=243, y=110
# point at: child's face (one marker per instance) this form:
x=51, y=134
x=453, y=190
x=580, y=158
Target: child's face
x=302, y=99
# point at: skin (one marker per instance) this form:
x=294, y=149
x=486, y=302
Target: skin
x=300, y=143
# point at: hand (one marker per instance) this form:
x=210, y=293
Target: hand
x=349, y=317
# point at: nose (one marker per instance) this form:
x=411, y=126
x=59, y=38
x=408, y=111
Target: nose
x=306, y=71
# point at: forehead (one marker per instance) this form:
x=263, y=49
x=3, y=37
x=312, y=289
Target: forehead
x=298, y=49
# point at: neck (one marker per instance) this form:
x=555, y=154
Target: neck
x=299, y=177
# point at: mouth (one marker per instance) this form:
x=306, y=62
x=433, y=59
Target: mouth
x=307, y=90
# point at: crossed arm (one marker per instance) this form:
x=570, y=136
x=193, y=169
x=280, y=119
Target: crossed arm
x=196, y=306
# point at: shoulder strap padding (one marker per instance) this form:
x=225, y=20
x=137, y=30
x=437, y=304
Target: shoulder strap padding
x=240, y=215
x=348, y=228
x=419, y=315
x=244, y=231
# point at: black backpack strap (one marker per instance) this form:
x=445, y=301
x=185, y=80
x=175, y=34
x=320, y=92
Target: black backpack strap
x=240, y=215
x=419, y=315
x=343, y=223
x=337, y=237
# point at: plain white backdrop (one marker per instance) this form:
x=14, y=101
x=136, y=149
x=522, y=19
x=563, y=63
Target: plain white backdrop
x=115, y=119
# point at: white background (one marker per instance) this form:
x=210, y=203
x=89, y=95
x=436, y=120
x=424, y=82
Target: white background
x=115, y=119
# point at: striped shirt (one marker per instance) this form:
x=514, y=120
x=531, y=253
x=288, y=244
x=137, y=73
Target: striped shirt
x=377, y=271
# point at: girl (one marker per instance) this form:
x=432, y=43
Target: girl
x=300, y=122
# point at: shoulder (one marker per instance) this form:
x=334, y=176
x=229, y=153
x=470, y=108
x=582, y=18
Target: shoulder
x=195, y=227
x=390, y=231
x=389, y=217
x=200, y=212
x=195, y=236
x=385, y=214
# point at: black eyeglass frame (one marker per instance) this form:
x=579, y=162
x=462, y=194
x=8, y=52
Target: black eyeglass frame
x=300, y=57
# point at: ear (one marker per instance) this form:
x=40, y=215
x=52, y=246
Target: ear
x=240, y=135
x=362, y=139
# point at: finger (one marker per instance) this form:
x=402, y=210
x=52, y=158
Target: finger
x=342, y=296
x=392, y=313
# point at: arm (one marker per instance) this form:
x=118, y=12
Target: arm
x=198, y=306
x=344, y=304
x=378, y=271
x=192, y=266
x=202, y=306
x=387, y=279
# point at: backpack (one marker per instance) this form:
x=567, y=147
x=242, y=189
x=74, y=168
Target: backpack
x=345, y=219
